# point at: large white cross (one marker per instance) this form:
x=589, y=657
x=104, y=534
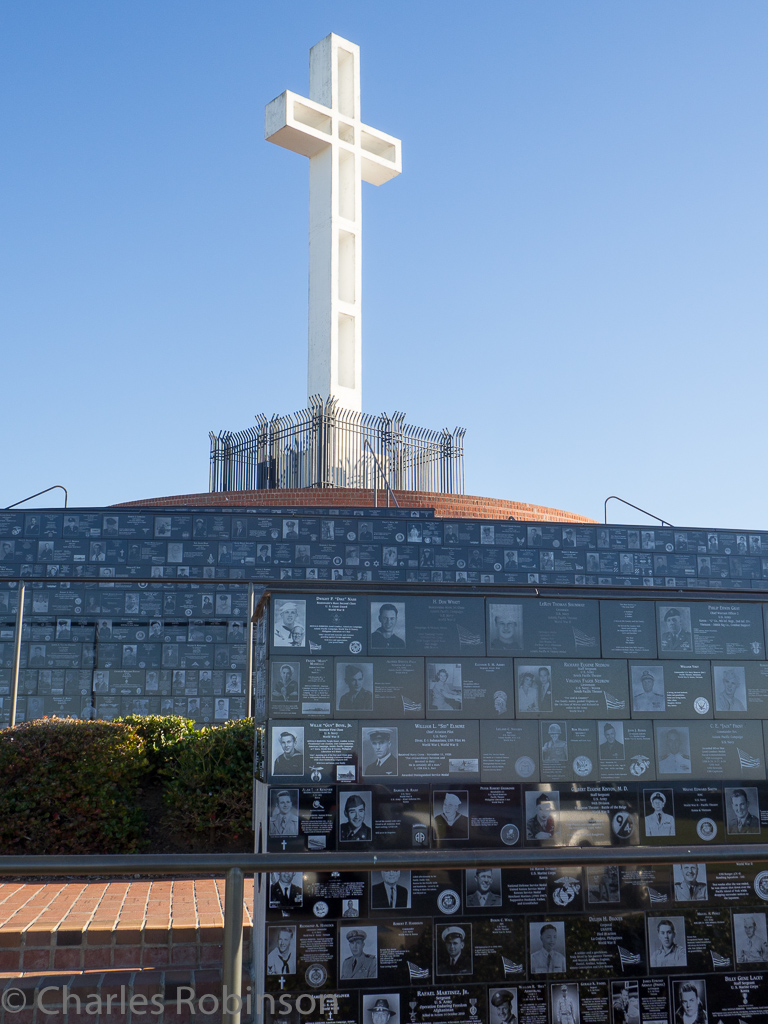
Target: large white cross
x=342, y=153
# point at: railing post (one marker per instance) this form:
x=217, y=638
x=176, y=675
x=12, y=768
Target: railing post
x=249, y=703
x=231, y=981
x=17, y=654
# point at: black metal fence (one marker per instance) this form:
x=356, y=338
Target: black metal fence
x=324, y=446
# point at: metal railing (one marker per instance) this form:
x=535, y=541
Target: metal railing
x=615, y=497
x=56, y=487
x=234, y=867
x=327, y=446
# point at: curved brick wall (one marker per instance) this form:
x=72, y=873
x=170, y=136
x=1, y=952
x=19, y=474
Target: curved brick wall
x=446, y=506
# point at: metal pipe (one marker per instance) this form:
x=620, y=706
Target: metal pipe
x=249, y=663
x=55, y=487
x=617, y=498
x=251, y=863
x=17, y=653
x=232, y=971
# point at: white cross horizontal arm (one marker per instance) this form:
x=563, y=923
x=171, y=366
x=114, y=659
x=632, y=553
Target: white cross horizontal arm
x=342, y=152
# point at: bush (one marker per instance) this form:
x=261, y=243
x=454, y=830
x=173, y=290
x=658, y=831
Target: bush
x=160, y=734
x=70, y=787
x=209, y=784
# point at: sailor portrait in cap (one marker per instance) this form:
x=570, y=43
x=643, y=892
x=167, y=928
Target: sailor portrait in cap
x=359, y=964
x=385, y=761
x=658, y=823
x=452, y=957
x=648, y=697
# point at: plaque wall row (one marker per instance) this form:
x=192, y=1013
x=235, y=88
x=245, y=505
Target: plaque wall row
x=387, y=545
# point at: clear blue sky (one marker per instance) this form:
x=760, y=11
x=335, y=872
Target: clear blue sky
x=572, y=264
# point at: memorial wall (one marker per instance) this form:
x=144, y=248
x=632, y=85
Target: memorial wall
x=146, y=612
x=463, y=719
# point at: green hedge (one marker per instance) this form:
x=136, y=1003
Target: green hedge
x=209, y=784
x=72, y=787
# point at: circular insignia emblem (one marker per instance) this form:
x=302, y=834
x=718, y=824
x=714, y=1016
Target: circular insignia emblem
x=761, y=885
x=669, y=547
x=140, y=634
x=727, y=551
x=337, y=560
x=706, y=829
x=399, y=537
x=351, y=535
x=355, y=647
x=582, y=765
x=460, y=563
x=497, y=566
x=566, y=891
x=316, y=975
x=701, y=705
x=209, y=638
x=622, y=825
x=320, y=909
x=187, y=611
x=525, y=767
x=639, y=764
x=510, y=835
x=448, y=901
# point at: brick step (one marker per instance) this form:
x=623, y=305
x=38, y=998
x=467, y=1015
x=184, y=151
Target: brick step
x=101, y=926
x=117, y=997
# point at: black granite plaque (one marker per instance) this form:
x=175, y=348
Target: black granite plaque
x=380, y=688
x=573, y=689
x=736, y=997
x=673, y=689
x=301, y=818
x=401, y=816
x=319, y=624
x=309, y=1007
x=426, y=750
x=316, y=751
x=568, y=749
x=628, y=629
x=710, y=749
x=317, y=895
x=509, y=752
x=470, y=688
x=300, y=687
x=436, y=893
x=448, y=1004
x=708, y=629
x=598, y=815
x=445, y=626
x=543, y=628
x=404, y=948
x=603, y=944
x=625, y=750
x=495, y=816
x=540, y=888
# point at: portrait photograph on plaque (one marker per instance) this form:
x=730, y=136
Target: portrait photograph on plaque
x=659, y=819
x=447, y=626
x=315, y=808
x=390, y=890
x=568, y=749
x=380, y=748
x=708, y=629
x=505, y=627
x=542, y=817
x=288, y=750
x=576, y=689
x=546, y=943
x=286, y=890
x=380, y=688
x=355, y=817
x=450, y=815
x=358, y=953
x=290, y=624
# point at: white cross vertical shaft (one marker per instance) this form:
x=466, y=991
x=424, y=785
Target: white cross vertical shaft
x=342, y=153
